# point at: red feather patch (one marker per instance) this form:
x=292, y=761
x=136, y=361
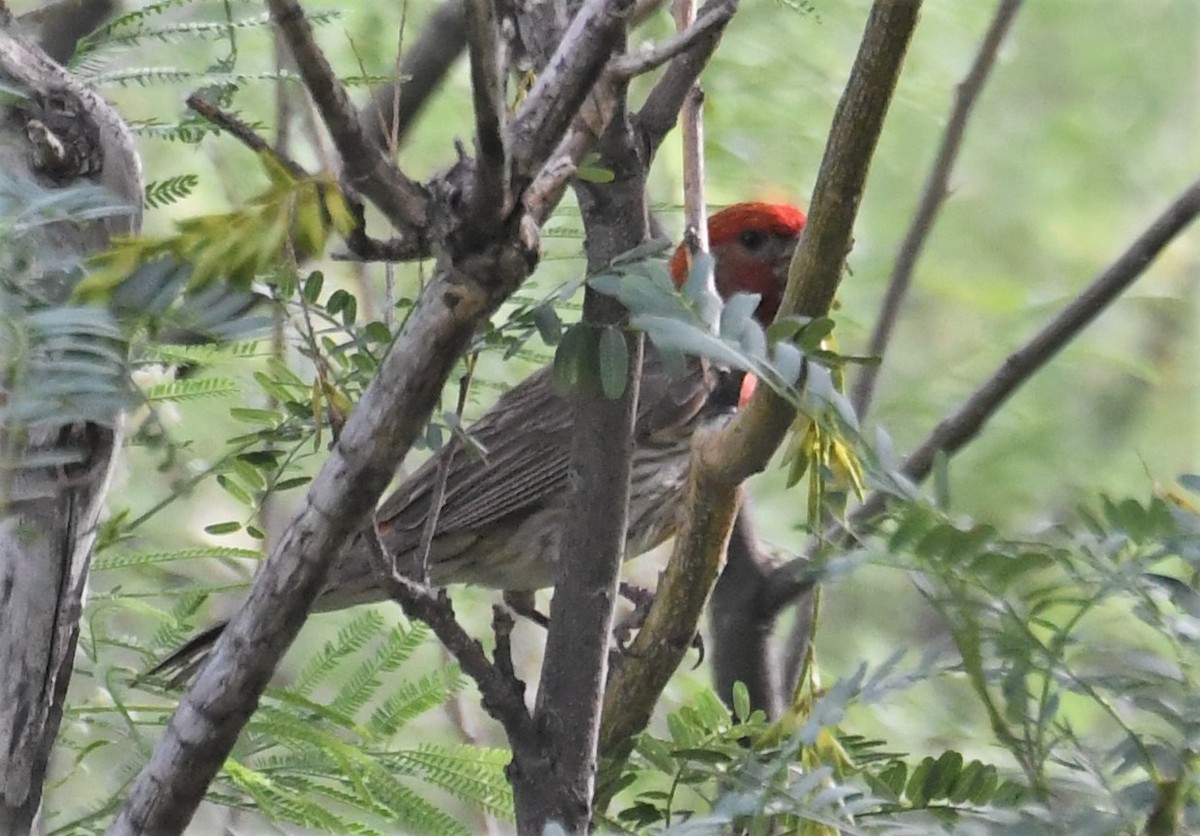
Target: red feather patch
x=773, y=218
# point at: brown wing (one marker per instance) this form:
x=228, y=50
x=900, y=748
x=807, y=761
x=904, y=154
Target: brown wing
x=527, y=436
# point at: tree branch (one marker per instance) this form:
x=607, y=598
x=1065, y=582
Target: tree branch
x=590, y=39
x=491, y=200
x=677, y=81
x=593, y=542
x=58, y=27
x=368, y=170
x=503, y=694
x=722, y=459
x=54, y=468
x=394, y=107
x=390, y=415
x=936, y=190
x=691, y=119
x=242, y=132
x=749, y=595
x=702, y=27
x=965, y=423
x=661, y=108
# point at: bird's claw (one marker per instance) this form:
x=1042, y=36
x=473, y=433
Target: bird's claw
x=642, y=599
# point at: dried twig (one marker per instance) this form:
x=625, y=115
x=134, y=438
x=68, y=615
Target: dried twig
x=425, y=547
x=394, y=107
x=691, y=119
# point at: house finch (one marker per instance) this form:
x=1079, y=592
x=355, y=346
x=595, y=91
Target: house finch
x=502, y=513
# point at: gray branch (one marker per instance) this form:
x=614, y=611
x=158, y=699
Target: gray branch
x=49, y=512
x=575, y=665
x=589, y=42
x=390, y=416
x=965, y=423
x=389, y=115
x=491, y=200
x=661, y=109
x=368, y=170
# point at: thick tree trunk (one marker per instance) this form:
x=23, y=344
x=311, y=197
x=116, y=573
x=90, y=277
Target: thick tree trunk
x=53, y=474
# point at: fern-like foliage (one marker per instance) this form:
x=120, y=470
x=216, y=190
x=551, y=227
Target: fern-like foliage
x=328, y=753
x=58, y=363
x=161, y=193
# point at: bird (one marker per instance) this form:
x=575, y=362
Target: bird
x=502, y=512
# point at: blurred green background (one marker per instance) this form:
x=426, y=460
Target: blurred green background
x=1087, y=129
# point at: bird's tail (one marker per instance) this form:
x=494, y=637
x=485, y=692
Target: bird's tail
x=183, y=664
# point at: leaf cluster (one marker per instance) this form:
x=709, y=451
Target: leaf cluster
x=321, y=753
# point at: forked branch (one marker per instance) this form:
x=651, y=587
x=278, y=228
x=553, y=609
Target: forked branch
x=721, y=460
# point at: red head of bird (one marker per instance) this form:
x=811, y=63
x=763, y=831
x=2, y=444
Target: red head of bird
x=752, y=245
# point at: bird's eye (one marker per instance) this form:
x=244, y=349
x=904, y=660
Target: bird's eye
x=752, y=239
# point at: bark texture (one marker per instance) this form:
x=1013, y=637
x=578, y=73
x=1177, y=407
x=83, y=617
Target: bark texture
x=53, y=474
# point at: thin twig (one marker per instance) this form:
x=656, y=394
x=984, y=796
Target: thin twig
x=362, y=247
x=402, y=200
x=283, y=96
x=503, y=694
x=547, y=188
x=691, y=118
x=443, y=475
x=394, y=107
x=936, y=190
x=661, y=108
x=393, y=132
x=713, y=18
x=965, y=423
x=242, y=132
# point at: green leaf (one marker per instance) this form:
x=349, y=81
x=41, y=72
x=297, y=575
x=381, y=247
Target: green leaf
x=942, y=775
x=789, y=362
x=548, y=323
x=915, y=791
x=337, y=302
x=572, y=357
x=738, y=315
x=247, y=415
x=741, y=701
x=235, y=490
x=313, y=285
x=814, y=331
x=614, y=362
x=590, y=171
x=894, y=777
x=643, y=293
x=223, y=527
x=295, y=482
x=378, y=332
